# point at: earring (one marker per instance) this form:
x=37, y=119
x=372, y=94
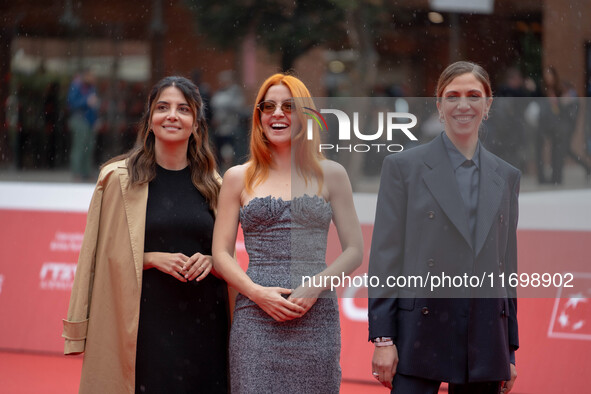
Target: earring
x=441, y=120
x=486, y=116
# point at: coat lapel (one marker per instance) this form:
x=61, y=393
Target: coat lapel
x=490, y=194
x=136, y=200
x=443, y=185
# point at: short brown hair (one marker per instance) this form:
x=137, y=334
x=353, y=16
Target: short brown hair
x=459, y=68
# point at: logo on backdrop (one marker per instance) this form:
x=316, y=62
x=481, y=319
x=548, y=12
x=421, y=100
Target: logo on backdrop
x=57, y=276
x=571, y=317
x=66, y=242
x=391, y=123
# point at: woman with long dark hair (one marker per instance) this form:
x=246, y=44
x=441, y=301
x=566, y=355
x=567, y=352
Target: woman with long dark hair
x=144, y=308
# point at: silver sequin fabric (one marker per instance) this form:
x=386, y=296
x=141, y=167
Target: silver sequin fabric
x=285, y=240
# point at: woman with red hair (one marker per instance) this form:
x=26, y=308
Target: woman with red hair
x=285, y=335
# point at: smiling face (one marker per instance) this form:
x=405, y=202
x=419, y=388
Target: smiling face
x=462, y=106
x=172, y=118
x=278, y=126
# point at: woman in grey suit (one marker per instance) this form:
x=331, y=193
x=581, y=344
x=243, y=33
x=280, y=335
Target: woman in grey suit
x=448, y=207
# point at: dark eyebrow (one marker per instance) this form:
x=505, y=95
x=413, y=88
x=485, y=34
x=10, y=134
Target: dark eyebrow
x=469, y=92
x=166, y=102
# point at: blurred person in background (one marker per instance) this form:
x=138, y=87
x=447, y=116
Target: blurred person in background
x=51, y=115
x=83, y=105
x=556, y=117
x=571, y=104
x=145, y=309
x=134, y=108
x=13, y=110
x=226, y=106
x=507, y=128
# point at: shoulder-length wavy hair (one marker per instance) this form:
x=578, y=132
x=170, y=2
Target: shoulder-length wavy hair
x=305, y=151
x=141, y=159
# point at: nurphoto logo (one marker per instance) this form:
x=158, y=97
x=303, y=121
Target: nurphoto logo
x=388, y=122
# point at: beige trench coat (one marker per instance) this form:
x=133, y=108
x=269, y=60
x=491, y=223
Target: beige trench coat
x=103, y=315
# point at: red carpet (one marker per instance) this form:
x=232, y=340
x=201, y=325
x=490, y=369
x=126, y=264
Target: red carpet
x=39, y=373
x=22, y=373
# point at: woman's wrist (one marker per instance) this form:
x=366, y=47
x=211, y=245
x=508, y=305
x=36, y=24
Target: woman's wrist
x=252, y=292
x=148, y=260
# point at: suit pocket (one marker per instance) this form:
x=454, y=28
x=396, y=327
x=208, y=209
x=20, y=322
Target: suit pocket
x=505, y=308
x=406, y=300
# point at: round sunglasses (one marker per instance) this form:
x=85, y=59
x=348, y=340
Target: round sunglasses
x=268, y=107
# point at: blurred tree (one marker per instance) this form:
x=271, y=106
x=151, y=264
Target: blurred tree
x=363, y=22
x=288, y=27
x=531, y=60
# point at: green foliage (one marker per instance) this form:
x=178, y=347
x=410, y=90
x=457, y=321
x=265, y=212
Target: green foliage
x=531, y=59
x=287, y=27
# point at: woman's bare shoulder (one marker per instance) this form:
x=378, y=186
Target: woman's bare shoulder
x=234, y=180
x=331, y=168
x=236, y=173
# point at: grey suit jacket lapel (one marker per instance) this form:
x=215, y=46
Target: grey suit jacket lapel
x=136, y=201
x=442, y=184
x=489, y=197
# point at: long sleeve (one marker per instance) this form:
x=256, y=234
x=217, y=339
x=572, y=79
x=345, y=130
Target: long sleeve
x=76, y=324
x=511, y=266
x=387, y=249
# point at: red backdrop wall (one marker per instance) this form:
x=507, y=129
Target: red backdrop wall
x=39, y=250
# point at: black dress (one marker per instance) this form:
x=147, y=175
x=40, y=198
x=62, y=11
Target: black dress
x=183, y=329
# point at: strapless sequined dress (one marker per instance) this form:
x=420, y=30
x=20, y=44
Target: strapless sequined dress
x=285, y=240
